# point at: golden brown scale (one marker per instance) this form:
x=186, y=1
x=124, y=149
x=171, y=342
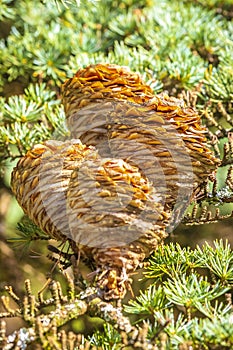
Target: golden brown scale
x=134, y=162
x=41, y=179
x=123, y=234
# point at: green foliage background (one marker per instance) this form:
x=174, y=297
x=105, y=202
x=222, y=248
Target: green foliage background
x=184, y=47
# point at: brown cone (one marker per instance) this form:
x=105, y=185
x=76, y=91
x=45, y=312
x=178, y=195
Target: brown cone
x=144, y=158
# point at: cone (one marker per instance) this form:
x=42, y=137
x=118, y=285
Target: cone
x=134, y=163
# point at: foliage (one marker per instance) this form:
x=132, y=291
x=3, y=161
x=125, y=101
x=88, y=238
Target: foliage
x=177, y=309
x=184, y=47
